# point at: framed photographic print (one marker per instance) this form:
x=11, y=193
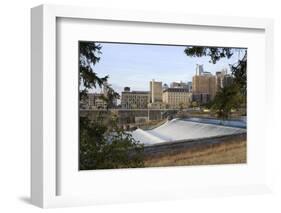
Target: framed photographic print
x=196, y=117
x=130, y=106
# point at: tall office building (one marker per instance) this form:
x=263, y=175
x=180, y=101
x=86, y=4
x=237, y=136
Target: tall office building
x=220, y=76
x=155, y=91
x=223, y=78
x=204, y=85
x=189, y=86
x=199, y=69
x=227, y=80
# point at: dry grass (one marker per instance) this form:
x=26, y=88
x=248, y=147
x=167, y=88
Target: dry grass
x=224, y=153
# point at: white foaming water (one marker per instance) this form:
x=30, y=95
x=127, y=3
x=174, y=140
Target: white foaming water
x=177, y=129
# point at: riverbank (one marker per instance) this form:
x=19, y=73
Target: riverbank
x=231, y=151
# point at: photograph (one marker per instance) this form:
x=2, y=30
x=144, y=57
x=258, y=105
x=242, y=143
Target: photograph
x=161, y=105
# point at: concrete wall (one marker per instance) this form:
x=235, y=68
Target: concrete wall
x=179, y=146
x=125, y=116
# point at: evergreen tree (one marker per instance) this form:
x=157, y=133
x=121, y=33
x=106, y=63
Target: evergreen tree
x=102, y=143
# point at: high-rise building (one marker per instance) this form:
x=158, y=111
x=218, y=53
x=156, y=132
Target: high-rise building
x=176, y=98
x=204, y=85
x=220, y=76
x=201, y=98
x=199, y=69
x=227, y=80
x=189, y=86
x=223, y=79
x=155, y=91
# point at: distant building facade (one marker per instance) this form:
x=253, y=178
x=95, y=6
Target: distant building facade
x=220, y=76
x=155, y=91
x=176, y=98
x=156, y=105
x=189, y=86
x=204, y=85
x=178, y=85
x=223, y=78
x=134, y=99
x=227, y=80
x=93, y=101
x=199, y=69
x=201, y=98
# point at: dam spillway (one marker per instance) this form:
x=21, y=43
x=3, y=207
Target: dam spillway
x=179, y=129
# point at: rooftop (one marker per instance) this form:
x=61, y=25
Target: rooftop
x=135, y=92
x=177, y=89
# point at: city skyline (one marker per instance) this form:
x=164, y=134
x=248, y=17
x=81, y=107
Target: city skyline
x=142, y=62
x=150, y=124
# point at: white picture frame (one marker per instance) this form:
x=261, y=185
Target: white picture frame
x=44, y=169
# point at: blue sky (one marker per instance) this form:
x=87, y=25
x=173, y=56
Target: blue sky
x=134, y=65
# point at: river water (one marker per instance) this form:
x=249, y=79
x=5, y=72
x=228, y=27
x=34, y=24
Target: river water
x=191, y=128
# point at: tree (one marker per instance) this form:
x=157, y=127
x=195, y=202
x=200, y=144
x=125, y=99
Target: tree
x=231, y=96
x=239, y=72
x=194, y=104
x=89, y=55
x=103, y=144
x=226, y=99
x=215, y=53
x=107, y=147
x=181, y=105
x=110, y=96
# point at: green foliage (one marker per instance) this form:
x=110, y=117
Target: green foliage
x=226, y=99
x=215, y=53
x=89, y=55
x=103, y=144
x=110, y=96
x=181, y=106
x=194, y=104
x=231, y=96
x=240, y=75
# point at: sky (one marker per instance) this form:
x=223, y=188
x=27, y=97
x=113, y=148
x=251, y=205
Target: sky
x=134, y=65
